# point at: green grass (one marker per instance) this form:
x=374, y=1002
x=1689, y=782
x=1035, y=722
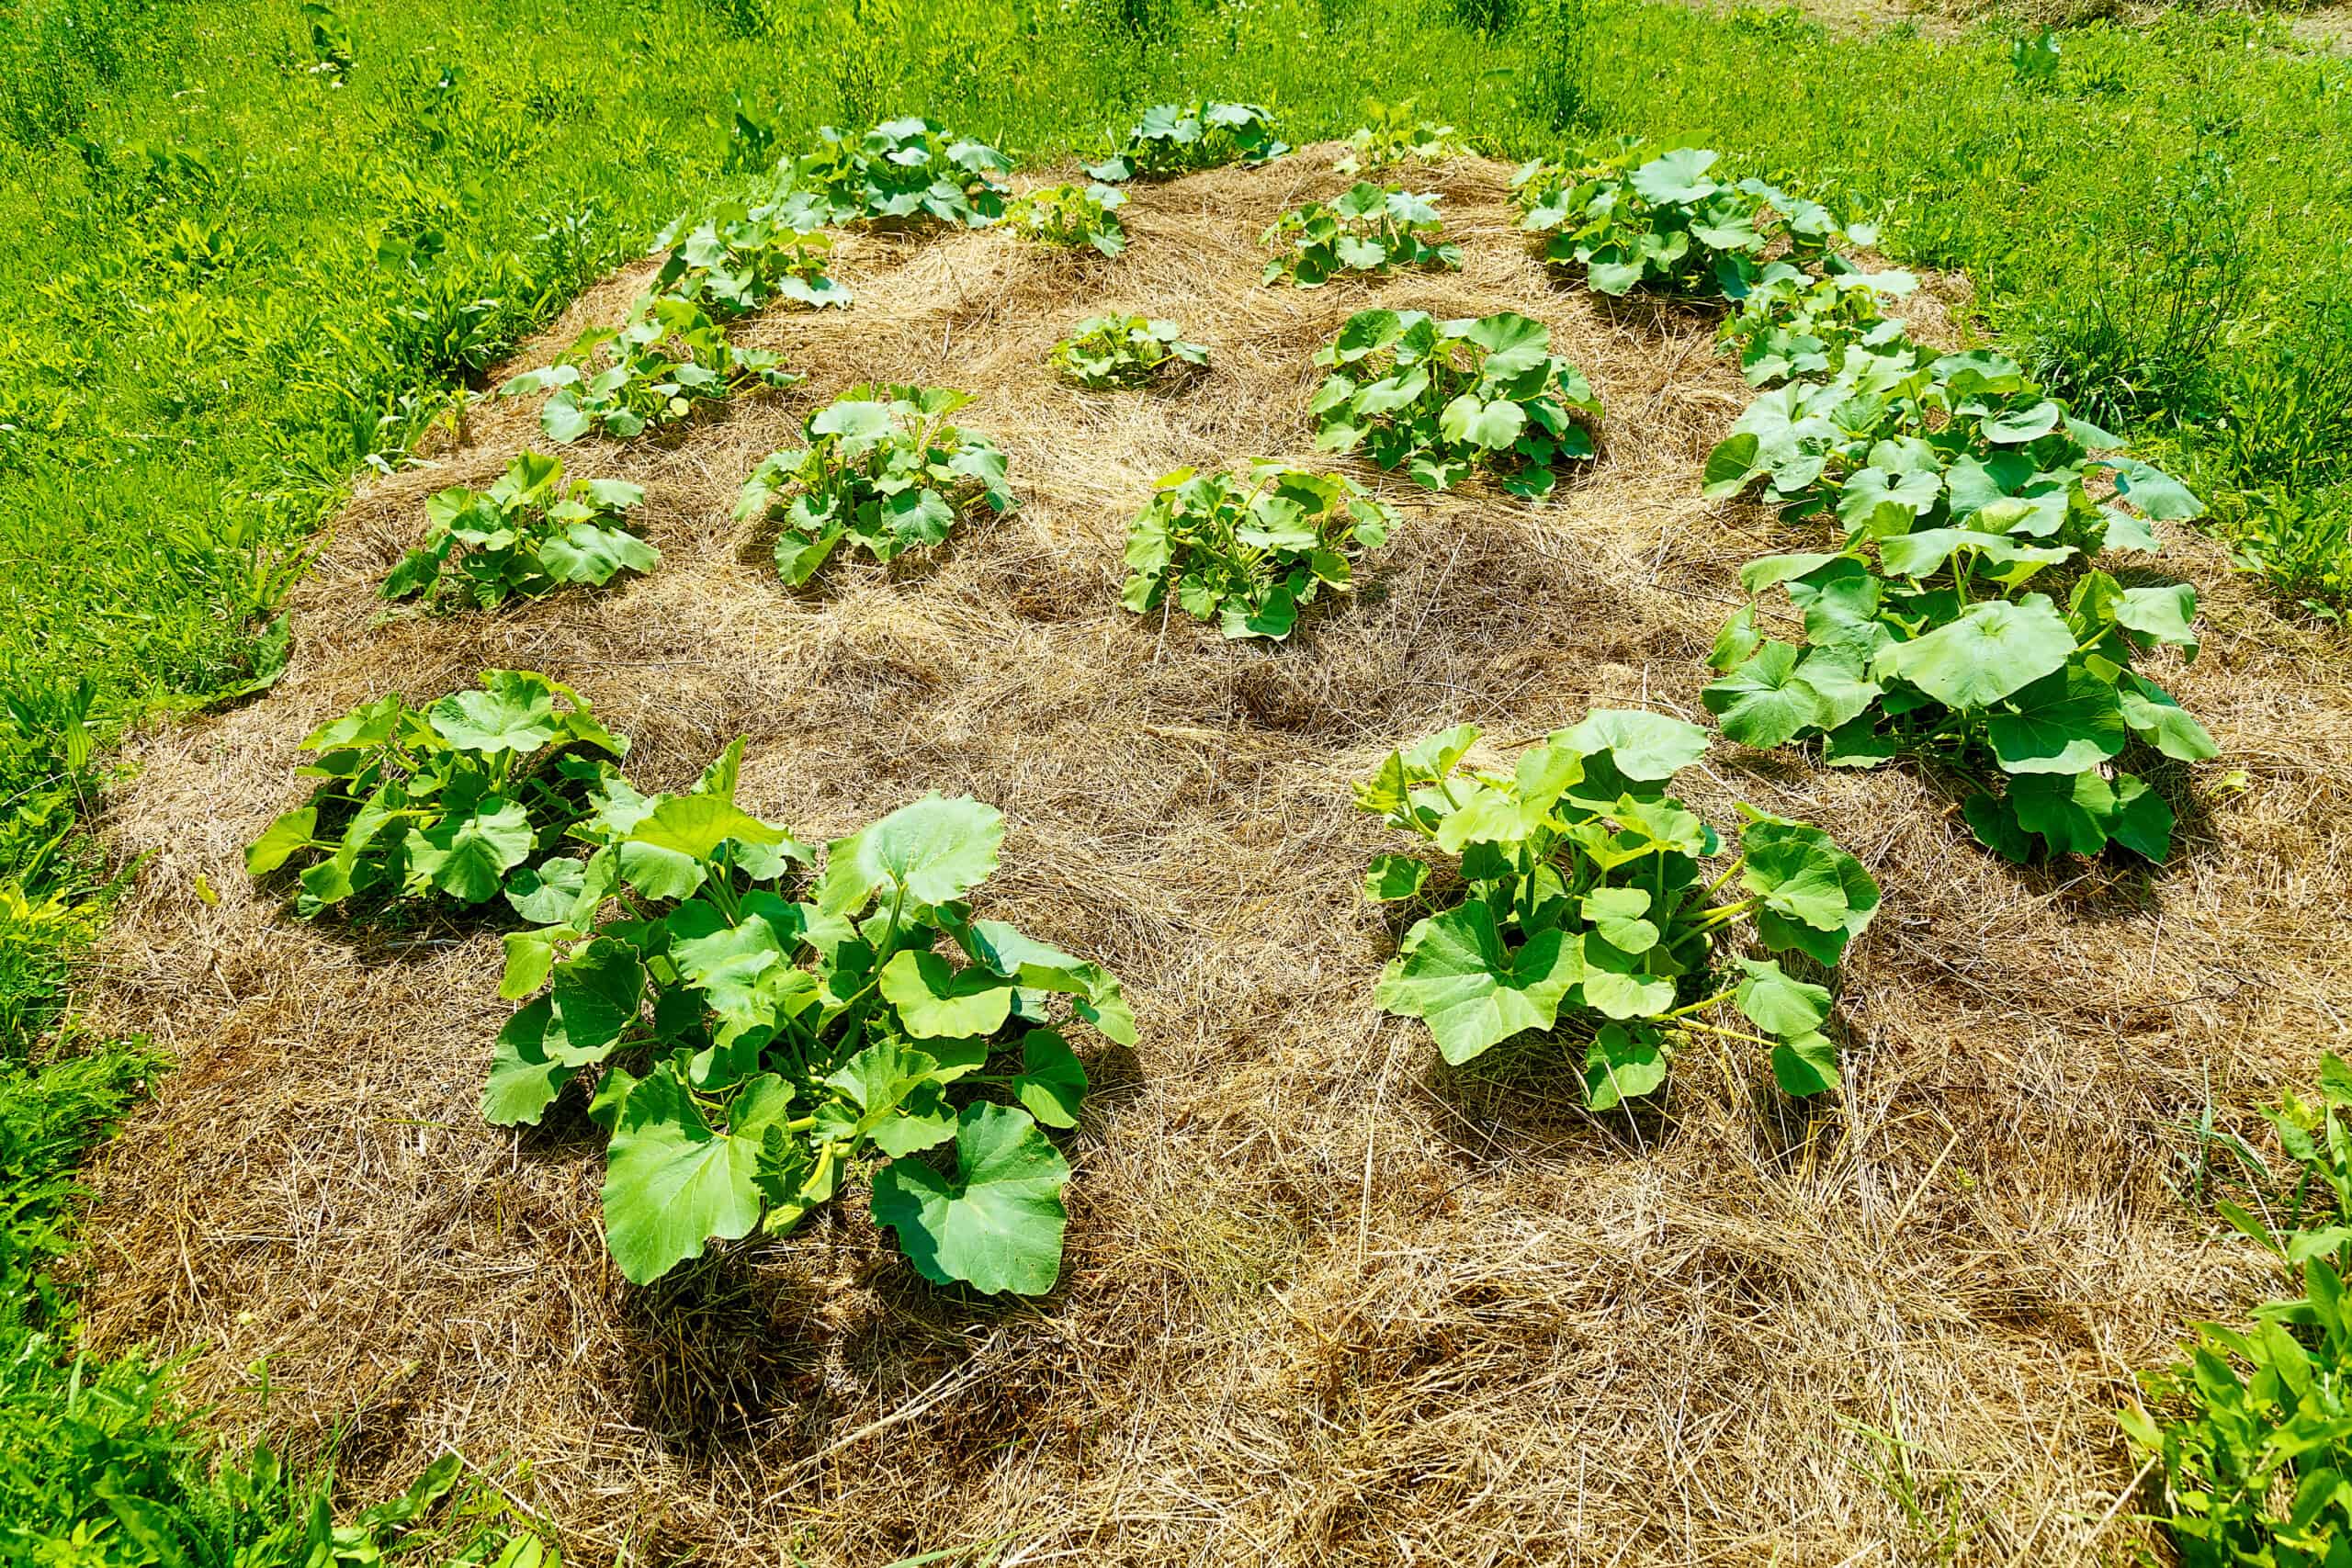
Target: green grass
x=231, y=278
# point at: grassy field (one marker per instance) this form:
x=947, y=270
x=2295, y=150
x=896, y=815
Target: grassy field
x=251, y=253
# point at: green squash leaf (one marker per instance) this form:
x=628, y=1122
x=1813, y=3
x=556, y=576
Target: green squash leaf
x=1645, y=746
x=936, y=849
x=1806, y=1066
x=933, y=999
x=1621, y=1065
x=1452, y=972
x=1777, y=1004
x=996, y=1223
x=523, y=1080
x=1052, y=1081
x=1813, y=895
x=1393, y=878
x=1993, y=649
x=671, y=1184
x=290, y=833
x=2066, y=722
x=468, y=856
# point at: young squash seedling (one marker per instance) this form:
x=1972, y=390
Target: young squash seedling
x=1367, y=229
x=527, y=535
x=668, y=360
x=740, y=259
x=1440, y=399
x=464, y=801
x=883, y=470
x=1125, y=351
x=903, y=173
x=1949, y=487
x=1585, y=907
x=762, y=1037
x=1393, y=135
x=1178, y=138
x=1250, y=549
x=1065, y=216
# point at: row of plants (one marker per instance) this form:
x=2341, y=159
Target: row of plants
x=756, y=1027
x=884, y=470
x=1976, y=603
x=1980, y=602
x=672, y=358
x=760, y=1024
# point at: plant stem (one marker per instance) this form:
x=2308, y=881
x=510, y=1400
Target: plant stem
x=1727, y=1034
x=1703, y=1006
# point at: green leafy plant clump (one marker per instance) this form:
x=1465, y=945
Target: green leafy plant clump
x=1794, y=324
x=1666, y=224
x=527, y=535
x=1250, y=549
x=462, y=802
x=1067, y=216
x=1439, y=399
x=903, y=173
x=1177, y=139
x=740, y=259
x=1583, y=905
x=1394, y=134
x=656, y=368
x=882, y=470
x=2253, y=1431
x=761, y=1036
x=1125, y=351
x=1367, y=228
x=1950, y=487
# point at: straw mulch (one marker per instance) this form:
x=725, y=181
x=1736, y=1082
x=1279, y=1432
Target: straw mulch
x=1326, y=1301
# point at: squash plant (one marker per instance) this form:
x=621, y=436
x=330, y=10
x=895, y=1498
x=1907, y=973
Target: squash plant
x=667, y=360
x=1580, y=902
x=1366, y=229
x=761, y=1037
x=1177, y=139
x=742, y=258
x=1954, y=493
x=883, y=470
x=1441, y=397
x=464, y=801
x=525, y=536
x=1250, y=548
x=1394, y=134
x=1666, y=224
x=1124, y=351
x=1065, y=216
x=903, y=172
x=1794, y=324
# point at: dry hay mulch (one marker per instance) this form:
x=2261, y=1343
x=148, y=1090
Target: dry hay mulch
x=1326, y=1301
